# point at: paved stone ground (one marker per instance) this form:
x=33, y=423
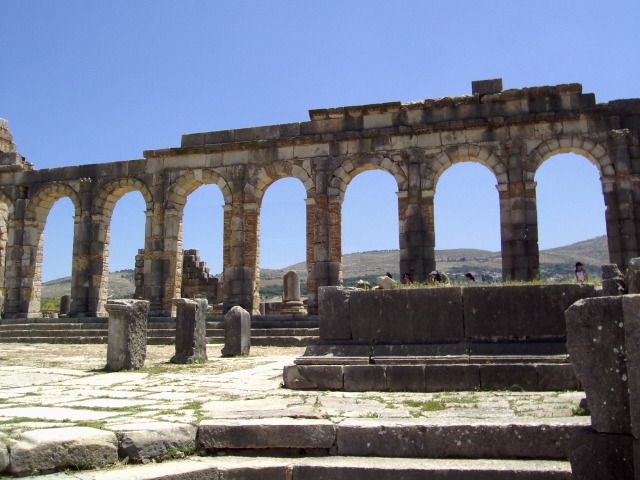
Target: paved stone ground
x=63, y=385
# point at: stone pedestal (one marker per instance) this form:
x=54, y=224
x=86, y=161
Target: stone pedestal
x=127, y=344
x=237, y=332
x=291, y=302
x=65, y=304
x=191, y=330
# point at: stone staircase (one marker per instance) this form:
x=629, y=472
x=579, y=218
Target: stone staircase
x=315, y=449
x=285, y=331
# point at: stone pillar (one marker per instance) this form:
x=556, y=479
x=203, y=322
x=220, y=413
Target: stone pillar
x=240, y=273
x=519, y=231
x=326, y=263
x=417, y=234
x=81, y=257
x=127, y=343
x=291, y=303
x=13, y=304
x=191, y=330
x=612, y=280
x=632, y=276
x=237, y=332
x=65, y=305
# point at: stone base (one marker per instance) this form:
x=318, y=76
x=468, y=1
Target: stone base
x=358, y=376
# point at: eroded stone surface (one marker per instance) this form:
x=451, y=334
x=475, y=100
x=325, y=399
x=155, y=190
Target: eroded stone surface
x=75, y=447
x=237, y=332
x=127, y=344
x=141, y=442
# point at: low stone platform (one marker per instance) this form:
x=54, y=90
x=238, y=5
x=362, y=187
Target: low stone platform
x=236, y=407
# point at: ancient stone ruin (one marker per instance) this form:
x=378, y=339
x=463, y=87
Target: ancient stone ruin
x=510, y=131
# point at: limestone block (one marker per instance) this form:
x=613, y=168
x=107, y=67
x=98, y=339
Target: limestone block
x=440, y=439
x=519, y=311
x=612, y=280
x=237, y=332
x=191, y=330
x=154, y=440
x=72, y=447
x=4, y=452
x=333, y=313
x=601, y=456
x=595, y=342
x=127, y=337
x=632, y=277
x=266, y=433
x=313, y=377
x=631, y=312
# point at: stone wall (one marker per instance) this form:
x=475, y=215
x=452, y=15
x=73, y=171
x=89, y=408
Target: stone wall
x=511, y=132
x=447, y=314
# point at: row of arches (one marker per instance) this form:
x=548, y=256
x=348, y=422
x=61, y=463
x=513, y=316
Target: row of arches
x=466, y=214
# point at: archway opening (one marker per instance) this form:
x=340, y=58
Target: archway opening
x=467, y=223
x=202, y=243
x=571, y=217
x=370, y=228
x=57, y=252
x=283, y=238
x=125, y=242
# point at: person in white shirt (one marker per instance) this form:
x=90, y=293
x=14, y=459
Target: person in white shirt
x=581, y=274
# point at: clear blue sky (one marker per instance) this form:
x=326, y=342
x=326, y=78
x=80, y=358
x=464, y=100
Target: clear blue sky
x=96, y=81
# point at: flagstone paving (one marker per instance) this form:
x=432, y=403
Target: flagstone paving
x=64, y=385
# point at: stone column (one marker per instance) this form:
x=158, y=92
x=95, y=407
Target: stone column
x=81, y=259
x=127, y=343
x=519, y=231
x=291, y=302
x=326, y=263
x=417, y=236
x=237, y=332
x=65, y=305
x=13, y=304
x=191, y=330
x=241, y=227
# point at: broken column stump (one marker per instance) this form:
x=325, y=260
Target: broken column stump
x=65, y=305
x=127, y=344
x=291, y=301
x=191, y=330
x=237, y=332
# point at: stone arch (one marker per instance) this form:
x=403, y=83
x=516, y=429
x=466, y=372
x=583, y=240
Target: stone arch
x=113, y=190
x=592, y=150
x=182, y=186
x=348, y=170
x=42, y=200
x=266, y=175
x=35, y=218
x=465, y=153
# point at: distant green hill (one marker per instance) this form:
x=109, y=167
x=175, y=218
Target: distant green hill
x=555, y=264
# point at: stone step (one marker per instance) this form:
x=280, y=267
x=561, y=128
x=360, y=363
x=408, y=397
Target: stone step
x=278, y=341
x=407, y=438
x=330, y=468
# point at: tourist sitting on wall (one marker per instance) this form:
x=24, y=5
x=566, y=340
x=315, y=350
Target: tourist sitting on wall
x=469, y=277
x=581, y=273
x=363, y=284
x=438, y=277
x=406, y=279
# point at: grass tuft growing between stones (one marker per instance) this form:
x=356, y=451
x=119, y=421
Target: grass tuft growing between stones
x=425, y=406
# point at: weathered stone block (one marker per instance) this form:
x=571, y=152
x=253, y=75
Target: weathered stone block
x=364, y=378
x=313, y=377
x=441, y=378
x=405, y=378
x=191, y=330
x=333, y=313
x=65, y=304
x=148, y=441
x=72, y=447
x=266, y=433
x=632, y=276
x=612, y=280
x=420, y=315
x=601, y=456
x=237, y=332
x=519, y=311
x=596, y=345
x=631, y=312
x=127, y=337
x=512, y=376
